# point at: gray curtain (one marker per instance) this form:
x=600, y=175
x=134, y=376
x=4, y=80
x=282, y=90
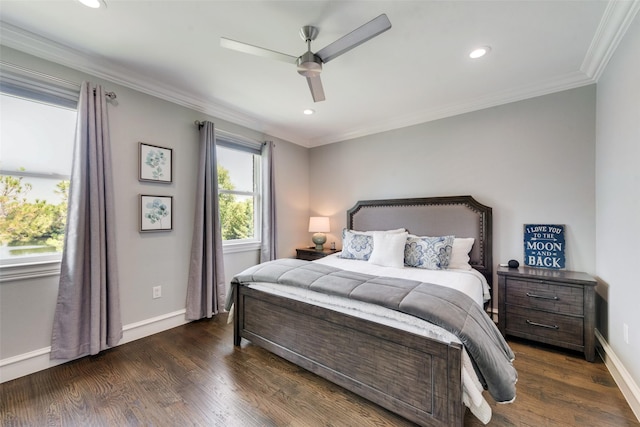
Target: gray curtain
x=87, y=317
x=206, y=287
x=268, y=247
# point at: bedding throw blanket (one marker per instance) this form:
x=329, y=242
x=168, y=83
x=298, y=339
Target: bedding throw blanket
x=445, y=307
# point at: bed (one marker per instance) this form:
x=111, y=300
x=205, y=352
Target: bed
x=417, y=373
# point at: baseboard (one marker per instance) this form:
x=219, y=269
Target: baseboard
x=152, y=326
x=620, y=375
x=38, y=360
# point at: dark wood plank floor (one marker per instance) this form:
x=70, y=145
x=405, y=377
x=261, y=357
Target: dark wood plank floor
x=193, y=376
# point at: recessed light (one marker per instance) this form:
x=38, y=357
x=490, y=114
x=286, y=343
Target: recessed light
x=309, y=111
x=94, y=4
x=479, y=52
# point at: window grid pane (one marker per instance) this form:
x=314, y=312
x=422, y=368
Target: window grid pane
x=238, y=183
x=34, y=188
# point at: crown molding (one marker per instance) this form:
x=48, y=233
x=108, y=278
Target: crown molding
x=566, y=82
x=41, y=47
x=615, y=21
x=614, y=24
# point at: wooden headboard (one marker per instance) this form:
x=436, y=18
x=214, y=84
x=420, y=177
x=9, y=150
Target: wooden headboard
x=461, y=216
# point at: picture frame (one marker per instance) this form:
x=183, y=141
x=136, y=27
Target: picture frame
x=156, y=213
x=155, y=163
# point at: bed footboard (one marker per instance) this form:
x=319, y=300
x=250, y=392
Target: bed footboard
x=413, y=376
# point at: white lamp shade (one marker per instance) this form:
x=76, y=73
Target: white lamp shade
x=319, y=224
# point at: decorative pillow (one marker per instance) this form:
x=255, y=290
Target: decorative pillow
x=432, y=253
x=460, y=253
x=356, y=245
x=359, y=244
x=388, y=249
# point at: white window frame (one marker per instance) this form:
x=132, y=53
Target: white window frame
x=235, y=142
x=24, y=83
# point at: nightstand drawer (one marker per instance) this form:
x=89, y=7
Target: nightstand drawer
x=546, y=327
x=310, y=256
x=545, y=296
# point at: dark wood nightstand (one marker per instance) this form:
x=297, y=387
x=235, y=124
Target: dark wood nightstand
x=310, y=254
x=551, y=306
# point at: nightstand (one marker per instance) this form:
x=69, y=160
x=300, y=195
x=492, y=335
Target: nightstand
x=311, y=253
x=551, y=306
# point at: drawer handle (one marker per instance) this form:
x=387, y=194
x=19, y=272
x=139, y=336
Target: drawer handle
x=530, y=295
x=529, y=322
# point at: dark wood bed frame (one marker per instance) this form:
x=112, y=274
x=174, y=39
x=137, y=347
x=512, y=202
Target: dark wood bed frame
x=416, y=377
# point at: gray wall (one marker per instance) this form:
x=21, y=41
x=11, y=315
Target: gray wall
x=531, y=161
x=151, y=259
x=618, y=198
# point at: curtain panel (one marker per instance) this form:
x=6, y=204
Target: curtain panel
x=206, y=287
x=268, y=238
x=87, y=318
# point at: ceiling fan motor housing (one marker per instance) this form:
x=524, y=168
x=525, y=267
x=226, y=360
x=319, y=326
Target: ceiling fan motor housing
x=309, y=65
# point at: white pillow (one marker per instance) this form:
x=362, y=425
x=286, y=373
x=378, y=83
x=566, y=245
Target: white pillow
x=460, y=253
x=388, y=249
x=359, y=244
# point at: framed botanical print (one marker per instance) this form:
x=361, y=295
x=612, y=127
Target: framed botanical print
x=155, y=163
x=156, y=213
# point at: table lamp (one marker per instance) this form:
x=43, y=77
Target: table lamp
x=319, y=225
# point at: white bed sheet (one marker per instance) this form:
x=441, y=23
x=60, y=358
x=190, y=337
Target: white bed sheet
x=470, y=282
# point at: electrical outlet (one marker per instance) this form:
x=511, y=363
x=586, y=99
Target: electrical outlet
x=625, y=332
x=157, y=291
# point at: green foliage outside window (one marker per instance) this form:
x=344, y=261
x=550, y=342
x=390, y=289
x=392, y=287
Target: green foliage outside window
x=236, y=213
x=36, y=226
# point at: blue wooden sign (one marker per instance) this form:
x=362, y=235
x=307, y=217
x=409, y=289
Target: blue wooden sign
x=544, y=245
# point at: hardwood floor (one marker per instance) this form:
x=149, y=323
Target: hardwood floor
x=193, y=376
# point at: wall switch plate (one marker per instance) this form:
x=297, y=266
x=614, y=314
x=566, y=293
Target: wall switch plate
x=157, y=291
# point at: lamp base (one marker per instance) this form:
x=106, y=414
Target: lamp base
x=319, y=239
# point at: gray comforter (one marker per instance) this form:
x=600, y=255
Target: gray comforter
x=445, y=307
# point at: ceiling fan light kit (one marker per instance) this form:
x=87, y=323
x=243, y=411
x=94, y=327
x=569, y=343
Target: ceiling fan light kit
x=310, y=64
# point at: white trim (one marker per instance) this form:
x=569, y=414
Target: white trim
x=232, y=248
x=613, y=25
x=41, y=47
x=30, y=270
x=621, y=376
x=145, y=328
x=38, y=360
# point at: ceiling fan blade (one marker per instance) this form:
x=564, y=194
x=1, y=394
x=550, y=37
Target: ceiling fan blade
x=355, y=38
x=315, y=84
x=255, y=50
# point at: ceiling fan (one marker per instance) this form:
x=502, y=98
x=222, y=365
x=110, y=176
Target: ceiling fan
x=309, y=63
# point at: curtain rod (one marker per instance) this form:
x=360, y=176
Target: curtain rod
x=47, y=77
x=110, y=95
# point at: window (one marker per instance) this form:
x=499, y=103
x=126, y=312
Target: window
x=37, y=130
x=239, y=189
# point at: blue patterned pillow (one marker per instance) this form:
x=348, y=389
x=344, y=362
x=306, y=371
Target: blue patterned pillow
x=356, y=245
x=432, y=253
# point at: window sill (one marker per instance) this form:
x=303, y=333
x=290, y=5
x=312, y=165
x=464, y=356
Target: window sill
x=33, y=270
x=12, y=272
x=230, y=248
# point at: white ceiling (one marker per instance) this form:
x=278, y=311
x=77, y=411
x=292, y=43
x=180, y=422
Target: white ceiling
x=415, y=72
